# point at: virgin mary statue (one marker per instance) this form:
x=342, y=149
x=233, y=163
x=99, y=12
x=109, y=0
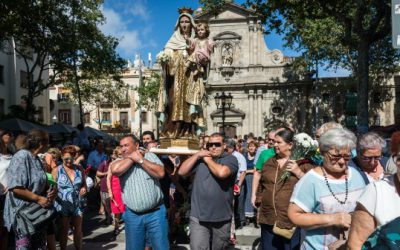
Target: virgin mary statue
x=178, y=120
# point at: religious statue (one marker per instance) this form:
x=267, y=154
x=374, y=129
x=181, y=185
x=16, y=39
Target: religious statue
x=184, y=62
x=227, y=55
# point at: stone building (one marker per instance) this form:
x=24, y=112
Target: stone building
x=13, y=82
x=266, y=93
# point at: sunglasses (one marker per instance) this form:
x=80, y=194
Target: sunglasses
x=370, y=158
x=337, y=157
x=68, y=159
x=211, y=144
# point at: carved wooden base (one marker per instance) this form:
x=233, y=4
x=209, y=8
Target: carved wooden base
x=179, y=143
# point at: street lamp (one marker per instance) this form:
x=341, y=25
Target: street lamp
x=223, y=102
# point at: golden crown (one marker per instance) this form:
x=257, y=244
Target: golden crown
x=185, y=10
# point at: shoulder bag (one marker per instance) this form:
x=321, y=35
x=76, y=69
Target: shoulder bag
x=31, y=217
x=286, y=233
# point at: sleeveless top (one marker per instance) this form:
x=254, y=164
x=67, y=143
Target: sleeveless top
x=68, y=199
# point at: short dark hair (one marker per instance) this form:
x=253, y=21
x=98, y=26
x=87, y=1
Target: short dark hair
x=286, y=134
x=37, y=137
x=133, y=137
x=148, y=132
x=80, y=127
x=216, y=134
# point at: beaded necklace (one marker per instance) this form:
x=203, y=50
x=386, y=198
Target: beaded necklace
x=330, y=189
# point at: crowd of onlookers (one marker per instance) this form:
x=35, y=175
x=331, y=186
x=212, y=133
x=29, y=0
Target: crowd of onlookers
x=339, y=196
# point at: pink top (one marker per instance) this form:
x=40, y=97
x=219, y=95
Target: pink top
x=202, y=49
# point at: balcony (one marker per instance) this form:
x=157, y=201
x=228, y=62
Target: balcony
x=106, y=105
x=62, y=98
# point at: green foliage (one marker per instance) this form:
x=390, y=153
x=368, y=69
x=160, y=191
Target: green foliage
x=148, y=92
x=213, y=6
x=61, y=36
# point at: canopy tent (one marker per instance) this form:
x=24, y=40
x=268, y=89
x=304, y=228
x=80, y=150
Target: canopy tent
x=62, y=128
x=97, y=133
x=18, y=125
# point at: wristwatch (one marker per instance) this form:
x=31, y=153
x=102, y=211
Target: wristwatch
x=141, y=161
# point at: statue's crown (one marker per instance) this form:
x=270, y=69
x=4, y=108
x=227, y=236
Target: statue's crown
x=185, y=10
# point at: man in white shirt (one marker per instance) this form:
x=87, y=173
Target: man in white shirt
x=240, y=178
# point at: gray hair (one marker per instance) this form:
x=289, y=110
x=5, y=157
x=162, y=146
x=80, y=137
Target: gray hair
x=230, y=143
x=370, y=140
x=327, y=126
x=337, y=138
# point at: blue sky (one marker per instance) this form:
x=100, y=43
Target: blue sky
x=144, y=26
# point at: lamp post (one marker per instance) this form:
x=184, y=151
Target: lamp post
x=223, y=102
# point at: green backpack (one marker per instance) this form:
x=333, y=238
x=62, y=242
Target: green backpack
x=385, y=237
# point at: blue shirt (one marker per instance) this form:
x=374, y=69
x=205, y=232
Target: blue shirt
x=95, y=159
x=312, y=195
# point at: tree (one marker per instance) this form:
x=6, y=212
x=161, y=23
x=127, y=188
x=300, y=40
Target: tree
x=148, y=92
x=95, y=92
x=353, y=34
x=61, y=37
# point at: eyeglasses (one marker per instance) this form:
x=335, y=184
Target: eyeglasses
x=68, y=159
x=337, y=157
x=211, y=144
x=370, y=158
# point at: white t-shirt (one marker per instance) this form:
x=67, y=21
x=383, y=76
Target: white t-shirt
x=381, y=200
x=4, y=163
x=242, y=163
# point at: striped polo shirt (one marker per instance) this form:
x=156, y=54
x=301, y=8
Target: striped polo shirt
x=140, y=191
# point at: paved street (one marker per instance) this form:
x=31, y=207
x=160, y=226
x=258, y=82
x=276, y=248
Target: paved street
x=98, y=236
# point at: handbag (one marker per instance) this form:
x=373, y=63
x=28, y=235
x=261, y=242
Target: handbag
x=286, y=233
x=31, y=217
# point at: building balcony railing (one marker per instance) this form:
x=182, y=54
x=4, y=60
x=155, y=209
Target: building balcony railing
x=106, y=105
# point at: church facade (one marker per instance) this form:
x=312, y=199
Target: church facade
x=266, y=93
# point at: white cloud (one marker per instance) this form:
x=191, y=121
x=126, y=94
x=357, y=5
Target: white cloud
x=130, y=40
x=139, y=9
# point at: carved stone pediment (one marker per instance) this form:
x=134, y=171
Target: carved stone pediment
x=227, y=35
x=232, y=11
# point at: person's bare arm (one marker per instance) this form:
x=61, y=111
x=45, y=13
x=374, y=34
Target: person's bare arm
x=155, y=170
x=311, y=220
x=187, y=166
x=254, y=187
x=25, y=194
x=118, y=168
x=218, y=170
x=109, y=187
x=241, y=178
x=363, y=225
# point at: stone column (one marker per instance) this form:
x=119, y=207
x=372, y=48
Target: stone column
x=251, y=44
x=250, y=112
x=259, y=112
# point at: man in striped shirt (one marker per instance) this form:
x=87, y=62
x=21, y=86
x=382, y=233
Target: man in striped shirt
x=145, y=214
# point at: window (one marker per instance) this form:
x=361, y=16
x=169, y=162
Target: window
x=23, y=75
x=64, y=116
x=2, y=107
x=144, y=117
x=86, y=118
x=63, y=97
x=123, y=119
x=106, y=116
x=1, y=74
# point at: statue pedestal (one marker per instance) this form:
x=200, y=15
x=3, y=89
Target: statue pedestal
x=179, y=143
x=177, y=147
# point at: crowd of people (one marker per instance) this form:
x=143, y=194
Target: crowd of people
x=337, y=197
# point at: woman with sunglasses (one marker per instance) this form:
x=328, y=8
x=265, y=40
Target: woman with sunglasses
x=323, y=200
x=369, y=161
x=71, y=188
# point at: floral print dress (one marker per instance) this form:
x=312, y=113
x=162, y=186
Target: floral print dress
x=67, y=203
